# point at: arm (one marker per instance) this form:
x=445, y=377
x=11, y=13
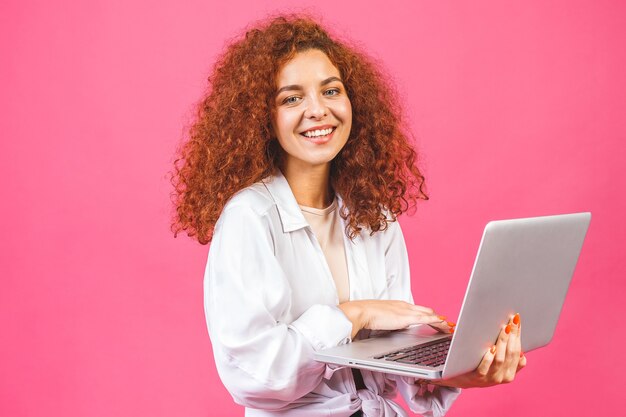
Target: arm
x=263, y=362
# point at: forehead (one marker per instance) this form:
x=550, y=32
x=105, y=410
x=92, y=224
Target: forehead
x=308, y=66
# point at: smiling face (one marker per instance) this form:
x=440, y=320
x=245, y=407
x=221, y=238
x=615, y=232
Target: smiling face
x=312, y=115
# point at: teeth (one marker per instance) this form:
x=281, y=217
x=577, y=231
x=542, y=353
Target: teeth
x=316, y=133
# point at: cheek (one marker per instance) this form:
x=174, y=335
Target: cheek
x=284, y=125
x=343, y=111
x=285, y=122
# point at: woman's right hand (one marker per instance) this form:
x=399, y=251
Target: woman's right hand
x=391, y=315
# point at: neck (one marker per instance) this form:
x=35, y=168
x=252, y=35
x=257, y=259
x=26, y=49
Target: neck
x=309, y=184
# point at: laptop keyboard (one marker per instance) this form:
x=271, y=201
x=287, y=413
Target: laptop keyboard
x=429, y=354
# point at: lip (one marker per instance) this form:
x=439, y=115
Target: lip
x=320, y=139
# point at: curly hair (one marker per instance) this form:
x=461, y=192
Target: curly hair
x=232, y=144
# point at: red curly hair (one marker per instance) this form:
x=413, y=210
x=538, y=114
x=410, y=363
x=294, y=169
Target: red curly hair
x=232, y=144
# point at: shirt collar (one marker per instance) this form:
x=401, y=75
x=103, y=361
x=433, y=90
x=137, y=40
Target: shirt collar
x=290, y=214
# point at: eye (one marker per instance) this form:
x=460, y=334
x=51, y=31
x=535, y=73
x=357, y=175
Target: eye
x=291, y=100
x=332, y=92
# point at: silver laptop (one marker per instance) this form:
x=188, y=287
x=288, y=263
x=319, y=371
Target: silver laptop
x=523, y=266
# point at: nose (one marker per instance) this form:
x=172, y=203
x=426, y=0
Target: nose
x=316, y=108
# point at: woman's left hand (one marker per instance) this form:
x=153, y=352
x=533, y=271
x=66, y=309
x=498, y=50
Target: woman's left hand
x=499, y=365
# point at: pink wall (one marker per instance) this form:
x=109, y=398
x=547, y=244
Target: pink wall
x=518, y=108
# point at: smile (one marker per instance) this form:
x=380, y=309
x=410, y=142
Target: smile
x=318, y=133
x=319, y=136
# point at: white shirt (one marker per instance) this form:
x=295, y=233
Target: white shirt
x=270, y=302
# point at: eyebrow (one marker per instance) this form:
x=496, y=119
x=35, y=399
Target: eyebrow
x=299, y=87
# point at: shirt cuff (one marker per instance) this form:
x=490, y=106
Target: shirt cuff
x=324, y=326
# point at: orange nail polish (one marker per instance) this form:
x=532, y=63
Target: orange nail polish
x=507, y=329
x=441, y=317
x=452, y=330
x=516, y=319
x=493, y=349
x=451, y=324
x=521, y=354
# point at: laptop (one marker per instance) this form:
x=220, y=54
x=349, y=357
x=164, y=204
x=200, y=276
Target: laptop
x=523, y=266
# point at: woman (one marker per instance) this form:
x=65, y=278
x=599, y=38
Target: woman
x=296, y=170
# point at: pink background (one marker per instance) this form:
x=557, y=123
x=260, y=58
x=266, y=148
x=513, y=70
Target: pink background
x=518, y=108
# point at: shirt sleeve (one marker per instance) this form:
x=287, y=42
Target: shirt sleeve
x=431, y=400
x=264, y=362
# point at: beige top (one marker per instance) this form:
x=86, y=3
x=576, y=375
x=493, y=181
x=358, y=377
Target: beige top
x=326, y=225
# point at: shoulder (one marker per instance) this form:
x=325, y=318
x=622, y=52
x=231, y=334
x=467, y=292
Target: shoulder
x=250, y=207
x=387, y=244
x=255, y=199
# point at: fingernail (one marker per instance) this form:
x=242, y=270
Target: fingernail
x=452, y=330
x=521, y=354
x=451, y=324
x=441, y=317
x=493, y=349
x=516, y=319
x=507, y=329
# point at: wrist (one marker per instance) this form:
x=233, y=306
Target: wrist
x=355, y=313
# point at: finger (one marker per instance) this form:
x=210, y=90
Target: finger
x=516, y=325
x=485, y=364
x=422, y=319
x=500, y=355
x=517, y=320
x=513, y=350
x=443, y=327
x=513, y=346
x=425, y=310
x=522, y=357
x=522, y=362
x=407, y=319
